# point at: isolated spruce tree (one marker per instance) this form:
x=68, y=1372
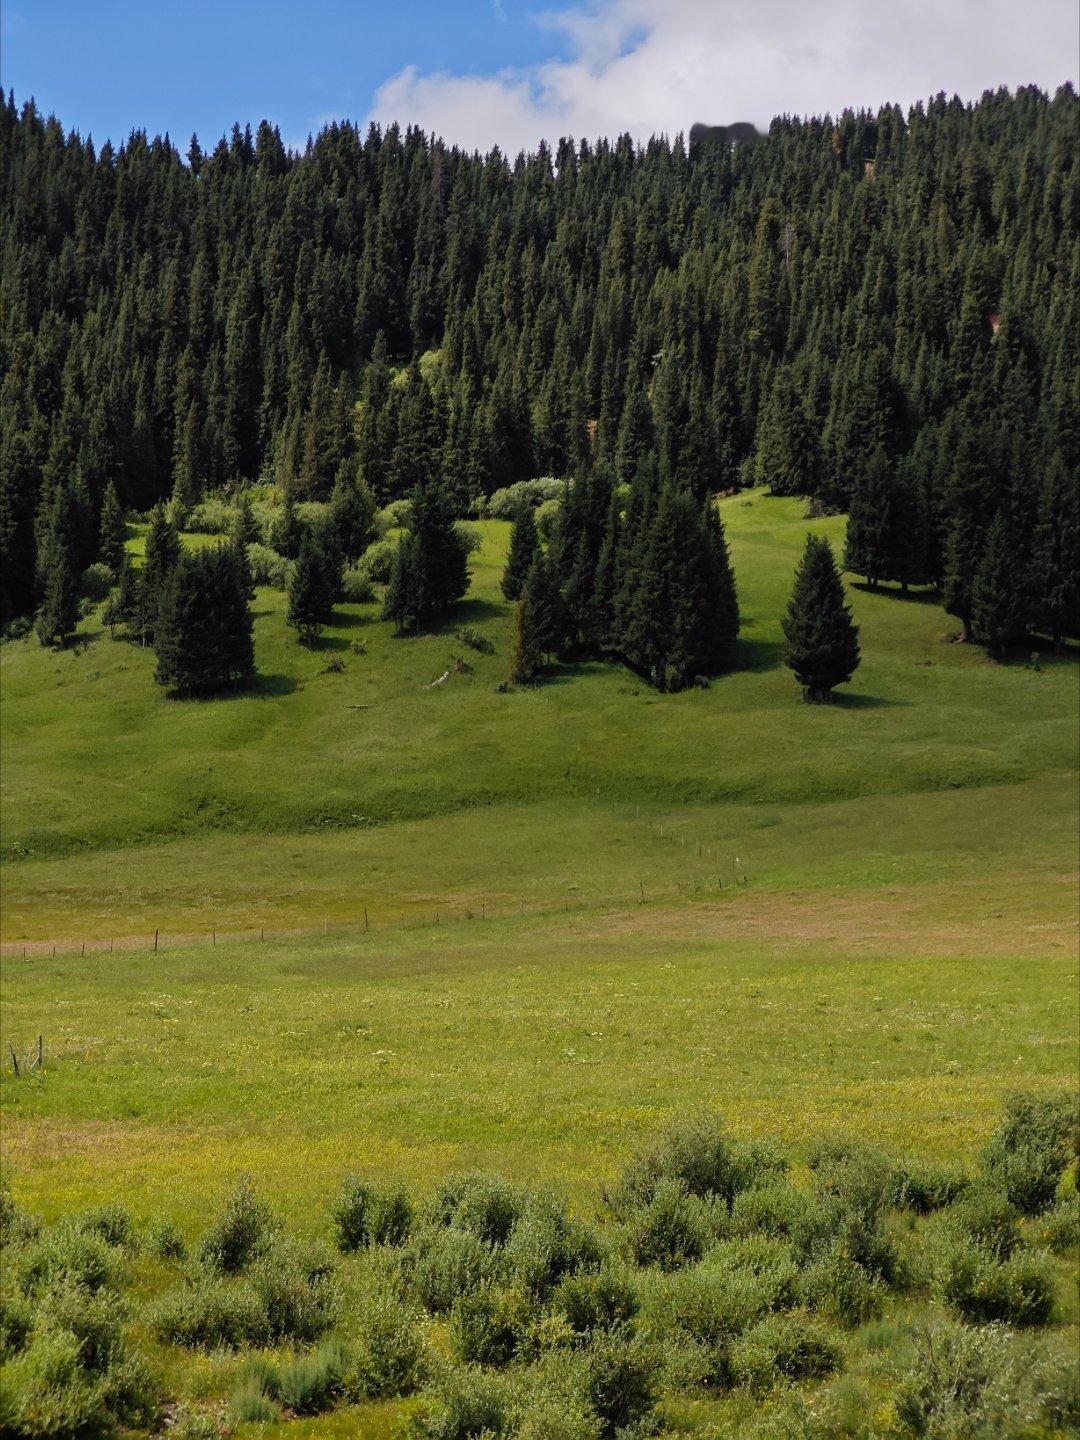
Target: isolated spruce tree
x=112, y=532
x=431, y=570
x=822, y=640
x=352, y=515
x=999, y=609
x=244, y=530
x=311, y=591
x=1055, y=560
x=58, y=569
x=290, y=530
x=160, y=560
x=122, y=606
x=524, y=653
x=523, y=545
x=204, y=637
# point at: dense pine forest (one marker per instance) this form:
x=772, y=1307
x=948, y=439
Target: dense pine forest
x=878, y=312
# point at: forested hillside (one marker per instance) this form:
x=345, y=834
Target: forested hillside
x=879, y=312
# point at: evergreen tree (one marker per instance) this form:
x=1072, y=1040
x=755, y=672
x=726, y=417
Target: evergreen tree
x=523, y=546
x=112, y=542
x=244, y=530
x=822, y=639
x=1055, y=566
x=546, y=607
x=160, y=560
x=352, y=516
x=525, y=652
x=311, y=592
x=58, y=563
x=871, y=539
x=122, y=606
x=204, y=637
x=999, y=608
x=431, y=570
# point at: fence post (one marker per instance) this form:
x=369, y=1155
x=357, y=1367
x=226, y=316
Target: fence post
x=155, y=941
x=14, y=1062
x=365, y=918
x=40, y=1051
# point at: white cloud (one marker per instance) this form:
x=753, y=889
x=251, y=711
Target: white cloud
x=650, y=66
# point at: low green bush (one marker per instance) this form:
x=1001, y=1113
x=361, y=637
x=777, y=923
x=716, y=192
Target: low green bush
x=489, y=1325
x=368, y=1214
x=1058, y=1230
x=924, y=1188
x=242, y=1230
x=443, y=1263
x=268, y=567
x=111, y=1223
x=475, y=640
x=95, y=1319
x=671, y=1229
x=1037, y=1137
x=622, y=1380
x=357, y=585
x=504, y=504
x=210, y=1314
x=212, y=516
x=386, y=1350
x=791, y=1346
x=981, y=1287
x=485, y=1205
x=547, y=1243
x=467, y=1405
x=61, y=1253
x=165, y=1242
x=985, y=1216
x=695, y=1153
x=96, y=582
x=293, y=1285
x=841, y=1289
x=599, y=1300
x=47, y=1395
x=311, y=1384
x=16, y=1320
x=393, y=516
x=249, y=1404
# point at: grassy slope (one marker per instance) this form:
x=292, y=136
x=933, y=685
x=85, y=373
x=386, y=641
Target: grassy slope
x=904, y=951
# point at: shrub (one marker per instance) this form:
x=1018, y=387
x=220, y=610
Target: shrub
x=394, y=516
x=211, y=516
x=475, y=641
x=268, y=567
x=981, y=1287
x=370, y=1215
x=556, y=1411
x=962, y=1381
x=130, y=1393
x=1032, y=1146
x=63, y=1252
x=93, y=1318
x=547, y=519
x=546, y=1243
x=111, y=1223
x=96, y=582
x=622, y=1380
x=241, y=1232
x=467, y=1405
x=311, y=1384
x=357, y=586
x=671, y=1230
x=15, y=1225
x=925, y=1188
x=504, y=504
x=792, y=1346
x=985, y=1216
x=485, y=1205
x=470, y=537
x=210, y=1314
x=444, y=1263
x=16, y=1319
x=856, y=1174
x=250, y=1405
x=1059, y=1229
x=165, y=1242
x=387, y=1352
x=757, y=1163
x=841, y=1288
x=377, y=562
x=775, y=1209
x=488, y=1326
x=293, y=1285
x=46, y=1394
x=601, y=1300
x=695, y=1153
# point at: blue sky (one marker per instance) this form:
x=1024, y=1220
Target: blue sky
x=484, y=72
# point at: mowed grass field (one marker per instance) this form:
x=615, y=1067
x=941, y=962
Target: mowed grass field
x=587, y=906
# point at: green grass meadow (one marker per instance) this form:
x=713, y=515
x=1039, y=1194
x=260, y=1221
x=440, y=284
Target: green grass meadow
x=587, y=905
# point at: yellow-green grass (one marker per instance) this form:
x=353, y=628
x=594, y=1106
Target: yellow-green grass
x=903, y=951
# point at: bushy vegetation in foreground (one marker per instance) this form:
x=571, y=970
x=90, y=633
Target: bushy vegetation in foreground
x=716, y=1284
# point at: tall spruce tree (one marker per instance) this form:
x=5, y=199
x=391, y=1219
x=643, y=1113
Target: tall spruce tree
x=311, y=592
x=431, y=571
x=1054, y=585
x=546, y=607
x=822, y=639
x=999, y=603
x=58, y=562
x=352, y=515
x=204, y=635
x=112, y=531
x=161, y=557
x=523, y=545
x=525, y=650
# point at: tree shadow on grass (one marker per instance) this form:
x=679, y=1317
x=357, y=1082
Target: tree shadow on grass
x=855, y=701
x=923, y=596
x=757, y=655
x=468, y=611
x=347, y=620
